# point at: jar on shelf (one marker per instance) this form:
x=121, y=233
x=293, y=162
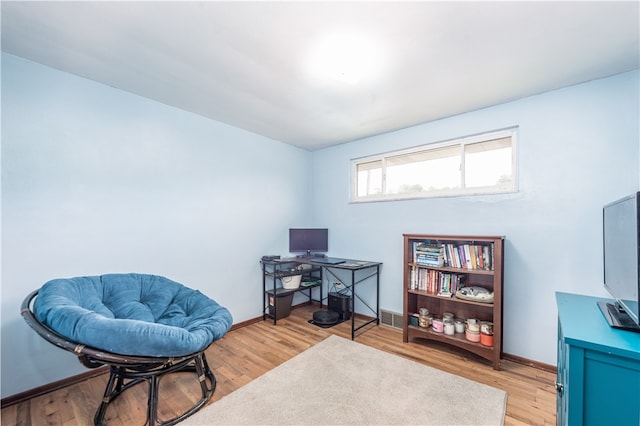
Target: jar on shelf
x=473, y=325
x=486, y=339
x=486, y=333
x=449, y=327
x=472, y=336
x=458, y=324
x=424, y=319
x=486, y=327
x=437, y=325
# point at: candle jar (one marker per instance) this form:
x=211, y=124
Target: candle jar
x=473, y=325
x=486, y=339
x=437, y=325
x=486, y=327
x=472, y=336
x=449, y=328
x=424, y=321
x=459, y=325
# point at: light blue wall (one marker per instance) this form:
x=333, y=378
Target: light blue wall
x=577, y=150
x=97, y=180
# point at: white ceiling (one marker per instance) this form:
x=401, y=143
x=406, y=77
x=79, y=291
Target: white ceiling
x=255, y=65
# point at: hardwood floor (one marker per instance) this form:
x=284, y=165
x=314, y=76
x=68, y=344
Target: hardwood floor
x=248, y=352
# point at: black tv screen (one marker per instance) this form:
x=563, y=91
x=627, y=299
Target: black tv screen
x=308, y=240
x=621, y=237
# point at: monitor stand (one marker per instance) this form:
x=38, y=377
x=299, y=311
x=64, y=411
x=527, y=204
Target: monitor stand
x=310, y=255
x=617, y=317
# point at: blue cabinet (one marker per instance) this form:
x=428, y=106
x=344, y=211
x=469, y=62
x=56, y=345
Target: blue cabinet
x=598, y=379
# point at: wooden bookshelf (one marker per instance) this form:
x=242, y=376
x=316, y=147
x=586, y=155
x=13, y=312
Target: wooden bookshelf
x=435, y=267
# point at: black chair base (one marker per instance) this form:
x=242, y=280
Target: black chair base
x=127, y=371
x=122, y=378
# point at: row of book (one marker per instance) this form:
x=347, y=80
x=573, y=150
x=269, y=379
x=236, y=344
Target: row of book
x=436, y=282
x=463, y=256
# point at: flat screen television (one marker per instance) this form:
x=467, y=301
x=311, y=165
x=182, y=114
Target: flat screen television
x=309, y=241
x=621, y=240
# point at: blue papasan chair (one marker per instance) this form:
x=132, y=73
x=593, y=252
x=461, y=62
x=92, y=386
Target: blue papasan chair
x=141, y=326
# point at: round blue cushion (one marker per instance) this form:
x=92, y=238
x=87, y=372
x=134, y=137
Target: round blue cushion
x=132, y=314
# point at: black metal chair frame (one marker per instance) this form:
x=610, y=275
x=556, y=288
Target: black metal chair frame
x=128, y=371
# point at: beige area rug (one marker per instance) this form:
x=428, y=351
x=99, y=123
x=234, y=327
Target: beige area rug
x=341, y=382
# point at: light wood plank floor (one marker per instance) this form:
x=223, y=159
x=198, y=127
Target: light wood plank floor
x=248, y=352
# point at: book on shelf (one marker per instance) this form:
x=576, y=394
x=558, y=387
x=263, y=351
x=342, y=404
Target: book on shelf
x=435, y=282
x=427, y=253
x=412, y=279
x=429, y=260
x=454, y=255
x=428, y=247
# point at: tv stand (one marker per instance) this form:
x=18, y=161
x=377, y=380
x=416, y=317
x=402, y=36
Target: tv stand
x=598, y=378
x=617, y=317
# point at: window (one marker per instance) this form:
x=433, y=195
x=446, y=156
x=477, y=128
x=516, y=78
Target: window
x=473, y=165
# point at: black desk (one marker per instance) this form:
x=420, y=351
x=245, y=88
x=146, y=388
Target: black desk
x=360, y=271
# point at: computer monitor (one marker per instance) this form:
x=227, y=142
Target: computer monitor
x=308, y=241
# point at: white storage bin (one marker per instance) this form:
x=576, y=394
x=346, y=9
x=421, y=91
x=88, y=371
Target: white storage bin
x=291, y=282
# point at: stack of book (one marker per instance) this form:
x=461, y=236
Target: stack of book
x=426, y=253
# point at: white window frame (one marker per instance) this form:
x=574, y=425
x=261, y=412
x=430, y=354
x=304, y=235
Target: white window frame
x=461, y=143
